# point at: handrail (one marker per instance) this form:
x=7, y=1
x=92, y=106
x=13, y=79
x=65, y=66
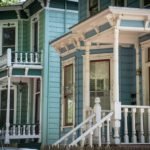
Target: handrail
x=75, y=129
x=91, y=129
x=134, y=106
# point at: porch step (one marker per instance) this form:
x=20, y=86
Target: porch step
x=103, y=147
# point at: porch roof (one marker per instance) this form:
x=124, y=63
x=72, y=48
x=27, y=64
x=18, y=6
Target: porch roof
x=99, y=28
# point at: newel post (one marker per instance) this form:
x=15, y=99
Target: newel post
x=97, y=109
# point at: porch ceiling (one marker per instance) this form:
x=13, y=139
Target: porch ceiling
x=131, y=22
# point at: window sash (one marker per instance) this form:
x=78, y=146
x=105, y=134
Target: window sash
x=68, y=95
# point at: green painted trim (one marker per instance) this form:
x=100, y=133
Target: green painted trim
x=35, y=72
x=18, y=72
x=3, y=73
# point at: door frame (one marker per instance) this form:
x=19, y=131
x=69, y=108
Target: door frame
x=13, y=87
x=98, y=57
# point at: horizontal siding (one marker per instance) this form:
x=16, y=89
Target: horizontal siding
x=57, y=24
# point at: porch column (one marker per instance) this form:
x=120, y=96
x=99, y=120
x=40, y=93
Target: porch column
x=137, y=74
x=40, y=117
x=86, y=79
x=8, y=110
x=116, y=103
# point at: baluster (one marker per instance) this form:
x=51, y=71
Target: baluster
x=31, y=57
x=81, y=132
x=29, y=131
x=141, y=125
x=33, y=129
x=14, y=129
x=26, y=57
x=149, y=125
x=99, y=136
x=134, y=138
x=83, y=141
x=24, y=129
x=103, y=129
x=21, y=60
x=36, y=57
x=16, y=57
x=65, y=141
x=73, y=136
x=108, y=132
x=91, y=138
x=18, y=129
x=126, y=137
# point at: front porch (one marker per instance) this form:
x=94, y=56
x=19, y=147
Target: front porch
x=20, y=96
x=107, y=59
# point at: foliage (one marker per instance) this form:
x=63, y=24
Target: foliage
x=8, y=2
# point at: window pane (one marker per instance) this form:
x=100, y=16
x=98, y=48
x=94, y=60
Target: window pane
x=93, y=7
x=68, y=94
x=146, y=2
x=3, y=99
x=119, y=2
x=35, y=42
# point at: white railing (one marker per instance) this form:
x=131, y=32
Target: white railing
x=139, y=126
x=26, y=131
x=86, y=126
x=20, y=58
x=89, y=133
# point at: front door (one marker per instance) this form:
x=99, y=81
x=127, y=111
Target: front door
x=100, y=83
x=3, y=106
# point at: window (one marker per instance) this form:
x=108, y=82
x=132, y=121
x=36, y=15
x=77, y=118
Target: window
x=37, y=100
x=7, y=36
x=119, y=3
x=93, y=7
x=148, y=54
x=35, y=34
x=68, y=95
x=146, y=3
x=100, y=82
x=3, y=107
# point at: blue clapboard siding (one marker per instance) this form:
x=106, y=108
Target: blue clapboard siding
x=127, y=75
x=57, y=23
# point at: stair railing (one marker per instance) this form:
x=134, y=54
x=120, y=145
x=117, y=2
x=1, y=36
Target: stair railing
x=91, y=130
x=73, y=132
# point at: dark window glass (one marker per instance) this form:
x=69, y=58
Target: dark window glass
x=38, y=85
x=35, y=38
x=146, y=3
x=93, y=7
x=8, y=40
x=68, y=95
x=148, y=54
x=119, y=3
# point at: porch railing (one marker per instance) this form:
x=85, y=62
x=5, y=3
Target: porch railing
x=20, y=58
x=136, y=122
x=25, y=131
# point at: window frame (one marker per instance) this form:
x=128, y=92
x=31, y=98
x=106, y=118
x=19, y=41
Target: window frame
x=34, y=19
x=68, y=62
x=13, y=23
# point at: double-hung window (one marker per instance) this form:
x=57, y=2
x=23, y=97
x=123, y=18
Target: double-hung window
x=8, y=37
x=68, y=95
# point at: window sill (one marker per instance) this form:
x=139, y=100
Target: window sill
x=64, y=127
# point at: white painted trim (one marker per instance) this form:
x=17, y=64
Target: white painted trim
x=99, y=57
x=145, y=73
x=32, y=21
x=12, y=21
x=66, y=63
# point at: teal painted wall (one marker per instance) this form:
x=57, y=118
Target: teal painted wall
x=57, y=23
x=104, y=4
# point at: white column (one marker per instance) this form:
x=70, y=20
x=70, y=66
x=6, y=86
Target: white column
x=8, y=110
x=86, y=80
x=149, y=125
x=137, y=74
x=116, y=103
